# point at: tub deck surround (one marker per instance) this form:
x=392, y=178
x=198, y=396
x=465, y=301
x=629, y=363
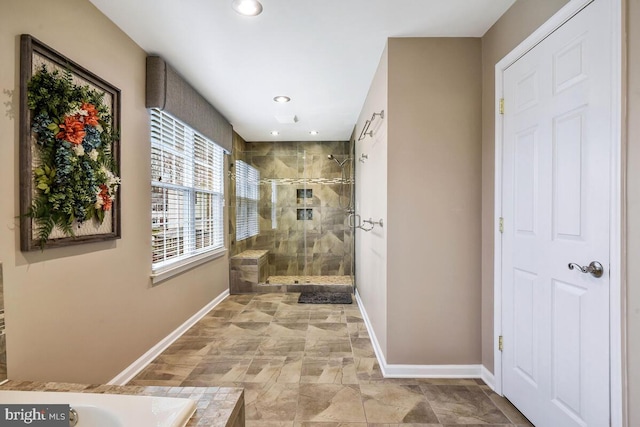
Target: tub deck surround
x=215, y=406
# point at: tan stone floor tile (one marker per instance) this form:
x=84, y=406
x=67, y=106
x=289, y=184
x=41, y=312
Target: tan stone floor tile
x=236, y=329
x=189, y=346
x=358, y=330
x=262, y=423
x=240, y=299
x=219, y=313
x=231, y=304
x=448, y=381
x=292, y=303
x=390, y=403
x=167, y=373
x=506, y=407
x=270, y=401
x=291, y=297
x=362, y=347
x=310, y=424
x=291, y=316
x=285, y=369
x=320, y=331
x=479, y=425
x=290, y=372
x=323, y=370
x=281, y=346
x=253, y=316
x=330, y=403
x=273, y=297
x=178, y=359
x=263, y=369
x=263, y=305
x=367, y=369
x=456, y=404
x=287, y=329
x=235, y=346
x=336, y=347
x=353, y=316
x=205, y=332
x=327, y=316
x=214, y=370
x=211, y=322
x=404, y=425
x=307, y=365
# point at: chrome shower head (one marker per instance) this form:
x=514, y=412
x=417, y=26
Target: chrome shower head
x=331, y=157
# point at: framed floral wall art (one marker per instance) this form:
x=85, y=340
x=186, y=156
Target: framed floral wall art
x=69, y=151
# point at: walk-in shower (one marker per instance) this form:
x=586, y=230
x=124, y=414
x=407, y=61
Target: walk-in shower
x=306, y=193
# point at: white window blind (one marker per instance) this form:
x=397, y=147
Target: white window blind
x=247, y=196
x=187, y=192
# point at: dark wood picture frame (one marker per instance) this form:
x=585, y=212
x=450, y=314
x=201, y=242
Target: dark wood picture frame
x=30, y=49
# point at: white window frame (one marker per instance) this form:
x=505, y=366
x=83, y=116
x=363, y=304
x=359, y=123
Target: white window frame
x=196, y=169
x=247, y=198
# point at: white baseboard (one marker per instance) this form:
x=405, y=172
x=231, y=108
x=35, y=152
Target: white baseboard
x=488, y=378
x=416, y=371
x=134, y=369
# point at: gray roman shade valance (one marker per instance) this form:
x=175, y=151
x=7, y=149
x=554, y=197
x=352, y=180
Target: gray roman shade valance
x=168, y=91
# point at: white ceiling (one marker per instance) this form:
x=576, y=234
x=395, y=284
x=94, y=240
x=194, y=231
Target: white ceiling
x=321, y=53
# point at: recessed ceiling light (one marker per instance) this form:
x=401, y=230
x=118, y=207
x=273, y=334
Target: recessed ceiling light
x=247, y=7
x=282, y=99
x=275, y=133
x=313, y=132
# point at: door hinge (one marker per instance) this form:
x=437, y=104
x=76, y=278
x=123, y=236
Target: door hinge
x=501, y=224
x=501, y=108
x=500, y=343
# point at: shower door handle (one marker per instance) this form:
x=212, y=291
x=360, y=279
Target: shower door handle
x=352, y=220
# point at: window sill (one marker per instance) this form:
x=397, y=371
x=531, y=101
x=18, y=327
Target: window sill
x=185, y=265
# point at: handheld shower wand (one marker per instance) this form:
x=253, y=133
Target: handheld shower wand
x=341, y=164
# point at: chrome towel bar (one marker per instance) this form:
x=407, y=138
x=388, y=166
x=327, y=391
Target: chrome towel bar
x=367, y=125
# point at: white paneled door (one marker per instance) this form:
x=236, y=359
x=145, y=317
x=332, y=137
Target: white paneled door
x=556, y=201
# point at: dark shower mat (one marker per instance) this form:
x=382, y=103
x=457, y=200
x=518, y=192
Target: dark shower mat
x=325, y=298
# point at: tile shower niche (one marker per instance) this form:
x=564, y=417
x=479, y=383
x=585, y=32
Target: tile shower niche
x=304, y=196
x=305, y=214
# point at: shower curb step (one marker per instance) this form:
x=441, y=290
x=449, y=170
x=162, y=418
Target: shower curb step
x=300, y=287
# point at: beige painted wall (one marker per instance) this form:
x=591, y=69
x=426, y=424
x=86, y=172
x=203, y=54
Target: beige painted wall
x=422, y=177
x=84, y=313
x=433, y=205
x=633, y=211
x=371, y=201
x=524, y=17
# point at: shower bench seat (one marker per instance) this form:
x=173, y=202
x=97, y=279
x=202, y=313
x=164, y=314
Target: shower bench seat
x=247, y=269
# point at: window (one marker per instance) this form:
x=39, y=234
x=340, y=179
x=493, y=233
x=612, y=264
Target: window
x=247, y=196
x=187, y=193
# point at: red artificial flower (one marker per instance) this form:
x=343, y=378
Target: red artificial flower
x=91, y=118
x=71, y=130
x=104, y=194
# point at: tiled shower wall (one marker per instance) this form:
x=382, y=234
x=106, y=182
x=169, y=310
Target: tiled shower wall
x=286, y=167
